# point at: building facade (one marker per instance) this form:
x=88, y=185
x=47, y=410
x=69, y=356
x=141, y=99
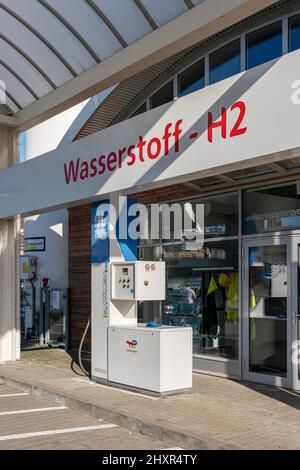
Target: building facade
x=245, y=278
x=214, y=125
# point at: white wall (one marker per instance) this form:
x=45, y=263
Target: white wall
x=53, y=263
x=47, y=135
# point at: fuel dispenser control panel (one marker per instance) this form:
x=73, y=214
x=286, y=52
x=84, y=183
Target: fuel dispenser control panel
x=123, y=281
x=138, y=280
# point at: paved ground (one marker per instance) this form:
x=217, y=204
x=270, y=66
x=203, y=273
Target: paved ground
x=218, y=412
x=27, y=422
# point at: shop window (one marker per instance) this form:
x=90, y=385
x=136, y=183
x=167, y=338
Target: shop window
x=141, y=109
x=164, y=95
x=225, y=62
x=203, y=293
x=191, y=79
x=272, y=209
x=202, y=283
x=150, y=253
x=149, y=230
x=264, y=44
x=220, y=218
x=294, y=33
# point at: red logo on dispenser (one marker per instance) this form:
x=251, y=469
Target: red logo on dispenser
x=131, y=345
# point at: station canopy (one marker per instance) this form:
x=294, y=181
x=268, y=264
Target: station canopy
x=51, y=51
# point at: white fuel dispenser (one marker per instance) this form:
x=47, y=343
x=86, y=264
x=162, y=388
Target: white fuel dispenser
x=153, y=359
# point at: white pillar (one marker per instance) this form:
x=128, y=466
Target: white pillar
x=9, y=260
x=106, y=312
x=102, y=306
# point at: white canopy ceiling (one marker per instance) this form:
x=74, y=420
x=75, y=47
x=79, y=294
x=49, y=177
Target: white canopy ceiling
x=45, y=44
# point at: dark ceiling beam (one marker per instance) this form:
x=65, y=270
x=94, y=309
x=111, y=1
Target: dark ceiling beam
x=146, y=14
x=19, y=78
x=107, y=22
x=13, y=99
x=226, y=178
x=29, y=59
x=277, y=167
x=193, y=186
x=75, y=33
x=40, y=37
x=189, y=4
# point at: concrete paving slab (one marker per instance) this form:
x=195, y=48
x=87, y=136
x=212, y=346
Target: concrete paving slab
x=64, y=429
x=217, y=413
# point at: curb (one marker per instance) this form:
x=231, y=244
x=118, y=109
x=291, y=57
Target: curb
x=150, y=429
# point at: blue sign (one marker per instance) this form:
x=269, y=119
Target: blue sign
x=100, y=233
x=128, y=246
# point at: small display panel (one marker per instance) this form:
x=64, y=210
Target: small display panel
x=123, y=281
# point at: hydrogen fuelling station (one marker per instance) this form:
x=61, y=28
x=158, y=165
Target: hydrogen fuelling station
x=200, y=106
x=152, y=357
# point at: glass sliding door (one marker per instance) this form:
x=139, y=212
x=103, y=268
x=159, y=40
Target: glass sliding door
x=295, y=317
x=267, y=311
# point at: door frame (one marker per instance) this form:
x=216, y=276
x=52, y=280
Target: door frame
x=295, y=312
x=255, y=376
